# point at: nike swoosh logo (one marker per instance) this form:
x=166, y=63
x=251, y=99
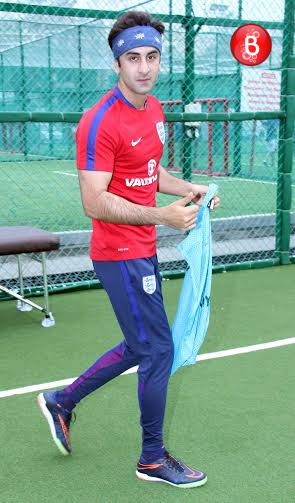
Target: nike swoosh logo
x=195, y=474
x=149, y=467
x=133, y=143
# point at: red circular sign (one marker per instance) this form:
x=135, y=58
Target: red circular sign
x=250, y=44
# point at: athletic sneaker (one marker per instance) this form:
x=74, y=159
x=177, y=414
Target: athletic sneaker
x=172, y=471
x=58, y=419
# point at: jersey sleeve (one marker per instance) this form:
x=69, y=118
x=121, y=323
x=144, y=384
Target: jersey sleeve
x=96, y=148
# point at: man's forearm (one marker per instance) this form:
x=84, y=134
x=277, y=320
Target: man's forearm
x=116, y=210
x=172, y=185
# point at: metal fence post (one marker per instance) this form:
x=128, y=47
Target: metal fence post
x=2, y=81
x=51, y=150
x=284, y=182
x=238, y=125
x=80, y=95
x=23, y=90
x=188, y=83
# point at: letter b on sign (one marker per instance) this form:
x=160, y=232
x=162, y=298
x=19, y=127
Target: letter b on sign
x=250, y=44
x=251, y=41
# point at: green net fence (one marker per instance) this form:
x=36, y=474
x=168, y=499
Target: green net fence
x=55, y=59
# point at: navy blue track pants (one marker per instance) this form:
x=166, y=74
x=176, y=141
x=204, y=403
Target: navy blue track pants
x=134, y=289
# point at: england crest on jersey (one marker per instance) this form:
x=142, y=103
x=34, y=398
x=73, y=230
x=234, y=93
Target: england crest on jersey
x=161, y=131
x=149, y=284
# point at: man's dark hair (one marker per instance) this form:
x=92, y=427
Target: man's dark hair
x=134, y=18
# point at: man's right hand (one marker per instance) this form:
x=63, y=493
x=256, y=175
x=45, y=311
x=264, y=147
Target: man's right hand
x=179, y=216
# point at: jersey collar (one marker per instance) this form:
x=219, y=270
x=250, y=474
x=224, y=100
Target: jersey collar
x=119, y=94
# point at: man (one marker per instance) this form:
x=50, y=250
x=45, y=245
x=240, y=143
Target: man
x=119, y=146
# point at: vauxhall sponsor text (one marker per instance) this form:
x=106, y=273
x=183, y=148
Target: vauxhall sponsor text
x=138, y=182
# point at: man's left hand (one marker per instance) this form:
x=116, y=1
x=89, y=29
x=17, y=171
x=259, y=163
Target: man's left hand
x=200, y=191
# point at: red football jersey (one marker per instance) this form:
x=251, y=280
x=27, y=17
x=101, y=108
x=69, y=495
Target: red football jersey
x=114, y=136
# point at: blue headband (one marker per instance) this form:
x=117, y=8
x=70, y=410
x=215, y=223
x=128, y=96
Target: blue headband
x=137, y=36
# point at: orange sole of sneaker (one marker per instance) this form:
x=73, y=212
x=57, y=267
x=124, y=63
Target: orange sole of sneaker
x=48, y=417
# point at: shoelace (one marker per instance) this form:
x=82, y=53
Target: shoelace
x=173, y=463
x=72, y=416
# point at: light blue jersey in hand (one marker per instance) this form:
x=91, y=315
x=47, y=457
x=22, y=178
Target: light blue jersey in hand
x=192, y=316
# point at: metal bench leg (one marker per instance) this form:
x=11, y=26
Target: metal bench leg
x=20, y=305
x=48, y=321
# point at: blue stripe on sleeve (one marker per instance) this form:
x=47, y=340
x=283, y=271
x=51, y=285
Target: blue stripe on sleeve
x=93, y=130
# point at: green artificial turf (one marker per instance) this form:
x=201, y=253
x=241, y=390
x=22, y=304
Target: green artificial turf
x=46, y=194
x=231, y=417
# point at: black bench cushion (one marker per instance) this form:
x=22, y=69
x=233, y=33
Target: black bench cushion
x=22, y=239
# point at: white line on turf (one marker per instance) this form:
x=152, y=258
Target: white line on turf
x=203, y=357
x=238, y=179
x=64, y=173
x=256, y=180
x=230, y=179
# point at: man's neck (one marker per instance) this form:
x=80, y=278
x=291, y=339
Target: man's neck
x=138, y=100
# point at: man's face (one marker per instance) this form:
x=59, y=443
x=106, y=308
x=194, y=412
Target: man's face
x=139, y=69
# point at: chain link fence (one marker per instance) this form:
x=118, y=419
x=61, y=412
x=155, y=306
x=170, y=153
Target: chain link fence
x=56, y=60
